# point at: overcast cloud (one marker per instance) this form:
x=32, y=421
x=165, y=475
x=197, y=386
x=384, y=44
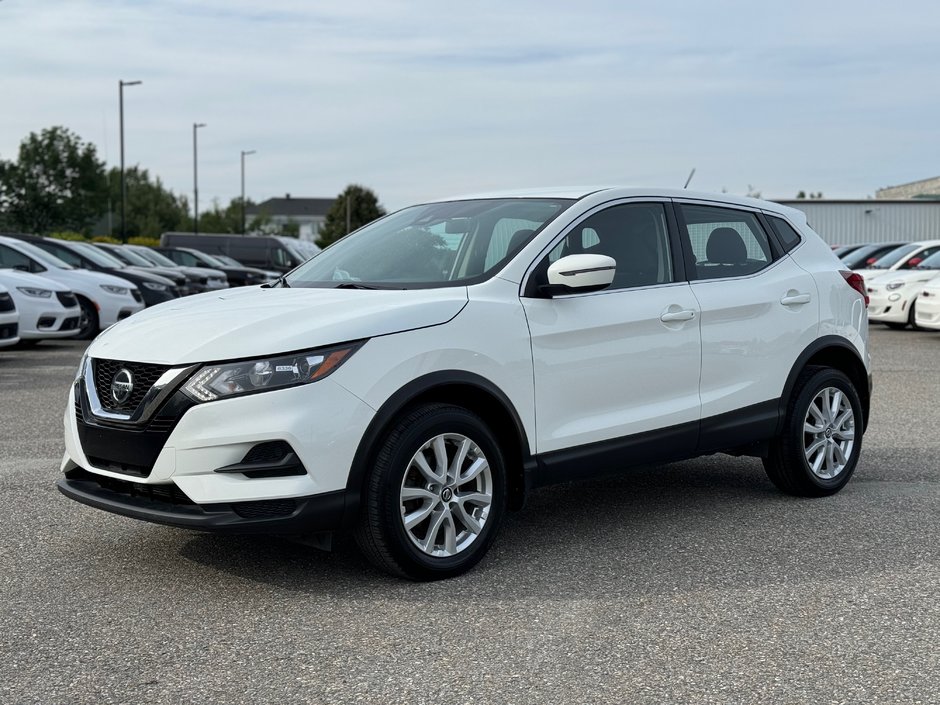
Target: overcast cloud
x=424, y=99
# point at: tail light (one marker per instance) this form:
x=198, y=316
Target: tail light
x=857, y=282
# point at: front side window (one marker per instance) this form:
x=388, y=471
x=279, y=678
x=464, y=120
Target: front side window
x=11, y=259
x=893, y=257
x=924, y=254
x=635, y=235
x=433, y=245
x=725, y=242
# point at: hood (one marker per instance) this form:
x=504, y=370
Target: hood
x=908, y=276
x=12, y=278
x=251, y=321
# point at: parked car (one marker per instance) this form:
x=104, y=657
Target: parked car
x=841, y=251
x=927, y=311
x=421, y=375
x=131, y=260
x=901, y=258
x=47, y=308
x=200, y=279
x=237, y=276
x=82, y=255
x=9, y=319
x=894, y=298
x=869, y=254
x=104, y=299
x=279, y=254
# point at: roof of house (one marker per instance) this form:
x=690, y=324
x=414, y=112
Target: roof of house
x=293, y=207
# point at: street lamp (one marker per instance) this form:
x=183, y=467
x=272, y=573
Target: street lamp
x=121, y=85
x=196, y=126
x=244, y=154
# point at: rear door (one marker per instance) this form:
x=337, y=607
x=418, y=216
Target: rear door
x=759, y=311
x=617, y=369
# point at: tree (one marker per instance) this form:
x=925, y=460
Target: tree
x=363, y=208
x=151, y=208
x=57, y=183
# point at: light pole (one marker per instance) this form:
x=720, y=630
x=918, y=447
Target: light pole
x=244, y=154
x=196, y=126
x=121, y=85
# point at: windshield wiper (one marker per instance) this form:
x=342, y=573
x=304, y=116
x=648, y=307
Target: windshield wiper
x=353, y=285
x=281, y=281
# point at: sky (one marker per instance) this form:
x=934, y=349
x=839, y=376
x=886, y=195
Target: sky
x=421, y=100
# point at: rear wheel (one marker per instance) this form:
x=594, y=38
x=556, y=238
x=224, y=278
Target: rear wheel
x=88, y=320
x=912, y=316
x=819, y=448
x=436, y=495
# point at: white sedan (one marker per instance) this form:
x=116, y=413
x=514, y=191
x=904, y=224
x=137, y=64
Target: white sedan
x=47, y=309
x=901, y=259
x=9, y=319
x=894, y=296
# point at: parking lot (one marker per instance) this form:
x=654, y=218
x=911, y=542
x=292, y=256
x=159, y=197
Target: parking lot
x=694, y=583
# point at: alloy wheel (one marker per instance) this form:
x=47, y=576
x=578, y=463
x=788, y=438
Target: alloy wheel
x=829, y=433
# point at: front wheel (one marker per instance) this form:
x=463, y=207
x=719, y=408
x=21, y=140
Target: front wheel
x=88, y=321
x=436, y=495
x=822, y=438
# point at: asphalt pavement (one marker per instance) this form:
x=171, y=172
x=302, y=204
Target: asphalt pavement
x=689, y=583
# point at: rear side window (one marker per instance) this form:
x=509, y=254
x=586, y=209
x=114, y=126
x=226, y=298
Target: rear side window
x=788, y=237
x=725, y=242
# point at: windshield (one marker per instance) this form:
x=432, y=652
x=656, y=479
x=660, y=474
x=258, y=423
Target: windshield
x=154, y=257
x=208, y=259
x=102, y=259
x=42, y=256
x=895, y=256
x=932, y=262
x=861, y=256
x=432, y=245
x=225, y=259
x=126, y=256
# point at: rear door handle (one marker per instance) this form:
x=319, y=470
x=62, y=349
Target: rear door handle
x=793, y=298
x=674, y=316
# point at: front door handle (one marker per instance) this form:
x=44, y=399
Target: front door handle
x=794, y=298
x=675, y=316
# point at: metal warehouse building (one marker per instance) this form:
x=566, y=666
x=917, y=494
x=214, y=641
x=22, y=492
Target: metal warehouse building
x=847, y=222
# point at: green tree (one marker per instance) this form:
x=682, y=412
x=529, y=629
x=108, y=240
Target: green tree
x=223, y=220
x=57, y=183
x=363, y=208
x=152, y=209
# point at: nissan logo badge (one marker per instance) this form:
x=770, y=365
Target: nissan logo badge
x=122, y=385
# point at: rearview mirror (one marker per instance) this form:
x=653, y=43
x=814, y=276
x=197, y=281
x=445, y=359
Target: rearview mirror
x=579, y=274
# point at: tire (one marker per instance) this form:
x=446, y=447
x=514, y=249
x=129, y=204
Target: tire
x=912, y=316
x=788, y=464
x=895, y=326
x=445, y=536
x=88, y=322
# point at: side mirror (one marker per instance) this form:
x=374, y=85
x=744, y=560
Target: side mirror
x=579, y=274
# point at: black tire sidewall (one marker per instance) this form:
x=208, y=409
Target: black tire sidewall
x=819, y=381
x=88, y=309
x=447, y=419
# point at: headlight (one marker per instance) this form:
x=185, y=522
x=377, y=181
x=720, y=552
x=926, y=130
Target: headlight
x=894, y=285
x=248, y=376
x=32, y=291
x=153, y=286
x=119, y=290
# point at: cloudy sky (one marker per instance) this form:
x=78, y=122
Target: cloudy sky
x=423, y=99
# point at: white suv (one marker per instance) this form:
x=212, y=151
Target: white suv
x=419, y=377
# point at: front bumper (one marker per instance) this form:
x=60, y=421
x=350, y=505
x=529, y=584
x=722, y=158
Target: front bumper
x=888, y=307
x=927, y=313
x=171, y=507
x=185, y=453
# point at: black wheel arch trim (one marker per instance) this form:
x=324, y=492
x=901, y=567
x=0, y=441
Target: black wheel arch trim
x=414, y=390
x=814, y=348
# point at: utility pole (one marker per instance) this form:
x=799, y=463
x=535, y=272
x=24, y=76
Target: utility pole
x=244, y=154
x=196, y=126
x=121, y=85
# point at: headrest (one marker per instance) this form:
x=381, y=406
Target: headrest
x=726, y=246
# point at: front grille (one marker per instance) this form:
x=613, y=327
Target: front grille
x=137, y=295
x=264, y=509
x=144, y=376
x=67, y=299
x=123, y=468
x=6, y=303
x=45, y=322
x=9, y=331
